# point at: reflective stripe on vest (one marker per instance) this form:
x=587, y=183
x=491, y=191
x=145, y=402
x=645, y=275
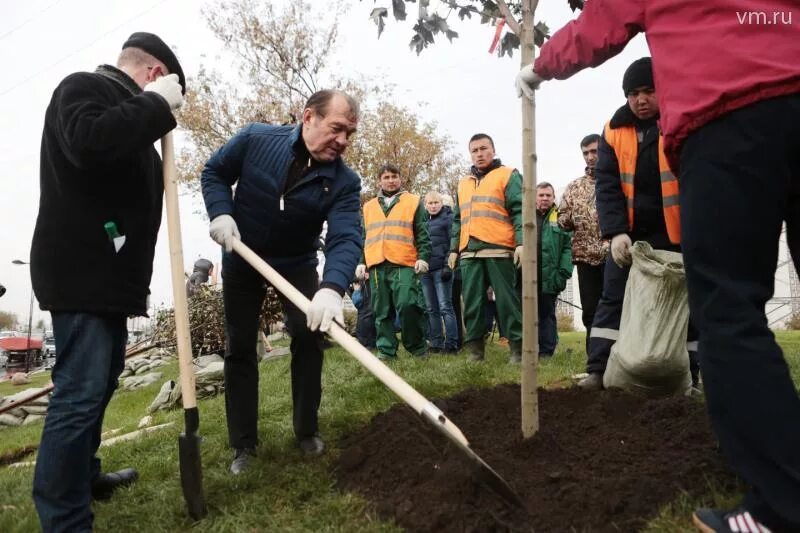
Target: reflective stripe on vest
x=391, y=238
x=483, y=209
x=626, y=147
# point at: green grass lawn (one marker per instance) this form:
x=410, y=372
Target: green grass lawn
x=284, y=491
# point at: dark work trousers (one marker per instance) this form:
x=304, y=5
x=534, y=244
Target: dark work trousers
x=457, y=305
x=590, y=285
x=243, y=295
x=730, y=245
x=605, y=326
x=548, y=327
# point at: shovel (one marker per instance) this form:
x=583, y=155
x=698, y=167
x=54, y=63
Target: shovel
x=424, y=407
x=189, y=441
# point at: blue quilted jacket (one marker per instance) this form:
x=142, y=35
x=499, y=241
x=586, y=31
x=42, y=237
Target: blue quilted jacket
x=283, y=226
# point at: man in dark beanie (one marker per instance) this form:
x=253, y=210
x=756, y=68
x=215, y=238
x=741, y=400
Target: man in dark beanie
x=637, y=200
x=92, y=257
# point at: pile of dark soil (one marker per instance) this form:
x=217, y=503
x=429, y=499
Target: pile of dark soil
x=601, y=462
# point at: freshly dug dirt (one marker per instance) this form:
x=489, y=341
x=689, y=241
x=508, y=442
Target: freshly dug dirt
x=601, y=462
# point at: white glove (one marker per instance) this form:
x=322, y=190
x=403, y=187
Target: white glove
x=325, y=307
x=621, y=250
x=452, y=259
x=527, y=81
x=517, y=256
x=169, y=88
x=361, y=272
x=421, y=267
x=223, y=229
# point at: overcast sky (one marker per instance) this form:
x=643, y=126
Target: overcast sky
x=460, y=86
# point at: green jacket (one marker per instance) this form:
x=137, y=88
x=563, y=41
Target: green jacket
x=422, y=237
x=556, y=267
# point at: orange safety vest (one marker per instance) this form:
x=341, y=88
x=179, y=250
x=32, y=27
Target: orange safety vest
x=391, y=238
x=482, y=206
x=626, y=146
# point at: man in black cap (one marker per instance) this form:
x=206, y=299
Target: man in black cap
x=92, y=256
x=637, y=200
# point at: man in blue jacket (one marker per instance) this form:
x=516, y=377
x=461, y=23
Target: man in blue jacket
x=289, y=180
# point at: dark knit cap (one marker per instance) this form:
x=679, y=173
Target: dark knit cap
x=153, y=45
x=639, y=74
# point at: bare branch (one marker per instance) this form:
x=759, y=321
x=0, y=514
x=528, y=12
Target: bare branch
x=512, y=23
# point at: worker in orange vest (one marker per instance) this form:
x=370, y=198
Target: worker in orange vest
x=397, y=247
x=486, y=239
x=637, y=200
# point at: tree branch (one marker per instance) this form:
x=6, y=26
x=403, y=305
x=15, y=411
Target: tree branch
x=513, y=24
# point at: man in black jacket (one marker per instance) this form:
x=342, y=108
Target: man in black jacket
x=637, y=200
x=92, y=256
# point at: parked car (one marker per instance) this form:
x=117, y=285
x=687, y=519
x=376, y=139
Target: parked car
x=49, y=348
x=9, y=333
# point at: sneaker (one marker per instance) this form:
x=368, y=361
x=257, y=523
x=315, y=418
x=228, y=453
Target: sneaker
x=592, y=382
x=104, y=485
x=242, y=460
x=312, y=445
x=717, y=521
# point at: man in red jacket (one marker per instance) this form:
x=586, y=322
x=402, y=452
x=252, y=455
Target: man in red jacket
x=729, y=93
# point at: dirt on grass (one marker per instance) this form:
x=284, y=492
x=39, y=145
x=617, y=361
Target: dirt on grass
x=601, y=462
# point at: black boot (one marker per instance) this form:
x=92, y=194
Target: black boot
x=104, y=485
x=516, y=352
x=475, y=350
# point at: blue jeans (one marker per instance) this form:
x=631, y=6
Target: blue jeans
x=439, y=299
x=91, y=355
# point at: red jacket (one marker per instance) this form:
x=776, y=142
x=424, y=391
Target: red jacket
x=709, y=56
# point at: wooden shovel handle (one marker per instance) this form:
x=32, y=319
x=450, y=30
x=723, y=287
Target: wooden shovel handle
x=406, y=392
x=176, y=262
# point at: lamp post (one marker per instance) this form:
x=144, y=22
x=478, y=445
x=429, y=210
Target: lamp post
x=30, y=322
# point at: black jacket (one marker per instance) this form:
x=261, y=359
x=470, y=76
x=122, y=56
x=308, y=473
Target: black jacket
x=648, y=211
x=439, y=226
x=98, y=166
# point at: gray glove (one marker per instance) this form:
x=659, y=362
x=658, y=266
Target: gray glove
x=223, y=229
x=325, y=307
x=169, y=88
x=621, y=250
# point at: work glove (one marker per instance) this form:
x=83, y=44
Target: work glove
x=447, y=274
x=527, y=81
x=223, y=229
x=325, y=307
x=421, y=267
x=169, y=88
x=517, y=256
x=621, y=250
x=361, y=272
x=452, y=259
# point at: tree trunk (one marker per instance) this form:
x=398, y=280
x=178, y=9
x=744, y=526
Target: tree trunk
x=530, y=312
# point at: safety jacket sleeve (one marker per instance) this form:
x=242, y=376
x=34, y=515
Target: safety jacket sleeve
x=422, y=234
x=455, y=228
x=513, y=205
x=565, y=260
x=565, y=221
x=611, y=204
x=343, y=242
x=599, y=33
x=221, y=172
